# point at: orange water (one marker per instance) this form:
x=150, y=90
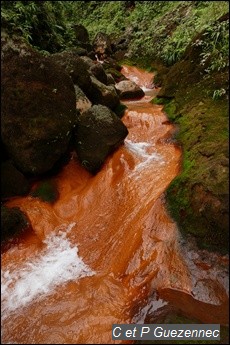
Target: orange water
x=123, y=233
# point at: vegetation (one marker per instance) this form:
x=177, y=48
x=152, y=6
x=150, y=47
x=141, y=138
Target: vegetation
x=44, y=24
x=159, y=29
x=46, y=191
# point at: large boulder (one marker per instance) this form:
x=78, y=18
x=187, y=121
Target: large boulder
x=98, y=72
x=82, y=37
x=13, y=182
x=82, y=101
x=103, y=94
x=81, y=33
x=84, y=73
x=99, y=132
x=129, y=89
x=38, y=107
x=95, y=69
x=77, y=67
x=13, y=221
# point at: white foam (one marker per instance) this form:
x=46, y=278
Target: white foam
x=142, y=150
x=56, y=264
x=146, y=89
x=149, y=309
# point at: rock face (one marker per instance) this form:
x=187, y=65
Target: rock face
x=13, y=220
x=103, y=94
x=99, y=132
x=82, y=37
x=198, y=198
x=129, y=89
x=77, y=67
x=90, y=76
x=98, y=72
x=13, y=182
x=38, y=108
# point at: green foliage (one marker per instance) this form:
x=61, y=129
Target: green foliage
x=159, y=29
x=120, y=109
x=43, y=23
x=46, y=191
x=218, y=93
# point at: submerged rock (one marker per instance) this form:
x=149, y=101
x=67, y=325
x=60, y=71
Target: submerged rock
x=13, y=221
x=99, y=132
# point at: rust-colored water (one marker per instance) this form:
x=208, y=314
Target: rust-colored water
x=118, y=221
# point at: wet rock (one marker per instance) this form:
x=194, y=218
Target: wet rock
x=80, y=51
x=82, y=102
x=38, y=107
x=95, y=69
x=81, y=33
x=103, y=94
x=98, y=71
x=77, y=67
x=13, y=182
x=82, y=38
x=99, y=132
x=13, y=221
x=110, y=79
x=129, y=89
x=111, y=63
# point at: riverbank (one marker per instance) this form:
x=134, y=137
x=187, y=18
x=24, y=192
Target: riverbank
x=197, y=103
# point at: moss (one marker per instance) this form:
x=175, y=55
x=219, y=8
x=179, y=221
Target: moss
x=203, y=134
x=120, y=110
x=46, y=191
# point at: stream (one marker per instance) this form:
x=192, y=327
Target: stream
x=107, y=250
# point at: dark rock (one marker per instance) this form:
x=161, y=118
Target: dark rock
x=13, y=221
x=13, y=182
x=77, y=67
x=82, y=71
x=82, y=102
x=80, y=51
x=98, y=71
x=129, y=89
x=81, y=33
x=38, y=108
x=110, y=79
x=111, y=63
x=117, y=76
x=91, y=55
x=88, y=63
x=99, y=132
x=103, y=94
